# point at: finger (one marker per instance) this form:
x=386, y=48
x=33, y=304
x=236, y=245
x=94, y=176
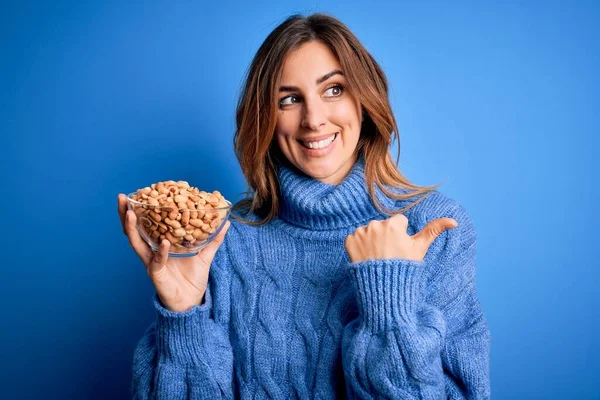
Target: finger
x=434, y=229
x=349, y=246
x=159, y=259
x=399, y=220
x=208, y=253
x=122, y=209
x=135, y=240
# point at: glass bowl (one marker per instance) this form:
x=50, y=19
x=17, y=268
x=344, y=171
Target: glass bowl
x=187, y=235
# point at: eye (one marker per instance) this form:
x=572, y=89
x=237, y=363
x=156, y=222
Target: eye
x=335, y=91
x=288, y=100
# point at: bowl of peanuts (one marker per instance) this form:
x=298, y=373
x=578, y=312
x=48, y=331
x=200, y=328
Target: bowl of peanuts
x=187, y=217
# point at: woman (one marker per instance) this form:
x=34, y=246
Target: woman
x=337, y=277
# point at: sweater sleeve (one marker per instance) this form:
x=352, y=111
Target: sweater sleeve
x=406, y=344
x=187, y=355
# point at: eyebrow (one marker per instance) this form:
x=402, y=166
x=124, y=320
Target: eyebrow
x=319, y=81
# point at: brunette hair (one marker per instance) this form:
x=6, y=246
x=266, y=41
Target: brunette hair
x=259, y=155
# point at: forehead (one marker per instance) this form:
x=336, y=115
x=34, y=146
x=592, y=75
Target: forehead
x=308, y=63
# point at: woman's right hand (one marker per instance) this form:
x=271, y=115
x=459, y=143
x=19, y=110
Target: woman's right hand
x=180, y=282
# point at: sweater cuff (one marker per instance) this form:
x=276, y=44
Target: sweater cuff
x=389, y=292
x=180, y=336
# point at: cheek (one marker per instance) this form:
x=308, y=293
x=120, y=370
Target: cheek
x=289, y=120
x=347, y=116
x=283, y=135
x=281, y=141
x=286, y=128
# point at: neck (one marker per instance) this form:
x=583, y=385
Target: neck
x=317, y=205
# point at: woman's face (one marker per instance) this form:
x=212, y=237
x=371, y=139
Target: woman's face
x=319, y=120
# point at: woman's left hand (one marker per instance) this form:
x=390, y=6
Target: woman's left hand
x=389, y=239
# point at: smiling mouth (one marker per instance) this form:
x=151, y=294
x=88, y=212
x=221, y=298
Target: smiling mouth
x=319, y=144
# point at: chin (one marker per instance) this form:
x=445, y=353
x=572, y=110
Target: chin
x=327, y=171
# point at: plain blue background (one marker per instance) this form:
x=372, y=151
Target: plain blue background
x=498, y=100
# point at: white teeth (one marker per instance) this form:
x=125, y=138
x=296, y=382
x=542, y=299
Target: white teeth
x=320, y=144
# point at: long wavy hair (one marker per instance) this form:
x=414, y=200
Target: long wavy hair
x=259, y=155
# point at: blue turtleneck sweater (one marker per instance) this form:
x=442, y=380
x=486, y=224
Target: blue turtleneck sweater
x=287, y=315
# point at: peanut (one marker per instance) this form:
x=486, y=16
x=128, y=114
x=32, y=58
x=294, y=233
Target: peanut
x=174, y=223
x=196, y=222
x=146, y=222
x=197, y=233
x=163, y=229
x=181, y=199
x=155, y=216
x=205, y=227
x=185, y=217
x=179, y=232
x=203, y=236
x=171, y=238
x=178, y=212
x=212, y=199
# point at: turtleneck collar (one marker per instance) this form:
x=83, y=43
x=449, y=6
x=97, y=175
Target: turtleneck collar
x=312, y=204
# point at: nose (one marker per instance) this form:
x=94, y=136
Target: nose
x=314, y=115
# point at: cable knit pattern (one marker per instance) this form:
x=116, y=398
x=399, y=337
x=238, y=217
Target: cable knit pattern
x=287, y=315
